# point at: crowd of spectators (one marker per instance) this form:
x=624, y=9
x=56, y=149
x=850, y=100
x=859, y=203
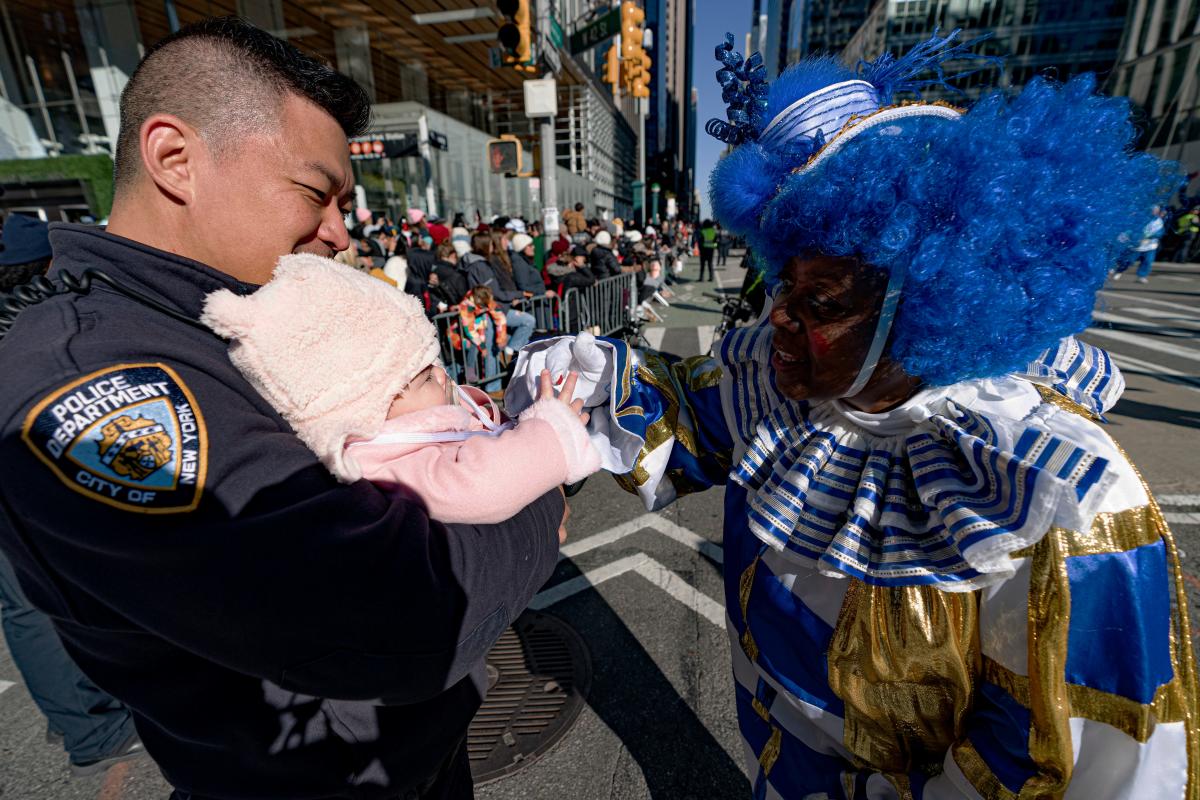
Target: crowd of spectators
x=517, y=263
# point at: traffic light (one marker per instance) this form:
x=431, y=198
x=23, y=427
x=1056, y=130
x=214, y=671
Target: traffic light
x=631, y=29
x=612, y=69
x=515, y=34
x=640, y=85
x=504, y=156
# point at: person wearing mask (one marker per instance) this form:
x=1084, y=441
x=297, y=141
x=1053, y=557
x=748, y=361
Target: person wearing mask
x=603, y=262
x=196, y=558
x=488, y=265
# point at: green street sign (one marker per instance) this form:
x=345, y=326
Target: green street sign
x=556, y=32
x=604, y=28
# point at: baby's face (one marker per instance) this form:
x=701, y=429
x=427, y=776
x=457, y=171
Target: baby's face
x=426, y=390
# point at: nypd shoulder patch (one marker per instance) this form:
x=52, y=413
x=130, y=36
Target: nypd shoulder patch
x=130, y=436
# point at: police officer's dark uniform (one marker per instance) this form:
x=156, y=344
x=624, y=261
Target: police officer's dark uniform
x=201, y=565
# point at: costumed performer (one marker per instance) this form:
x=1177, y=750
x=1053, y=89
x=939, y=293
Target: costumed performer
x=943, y=577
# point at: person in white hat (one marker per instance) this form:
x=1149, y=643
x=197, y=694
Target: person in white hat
x=353, y=366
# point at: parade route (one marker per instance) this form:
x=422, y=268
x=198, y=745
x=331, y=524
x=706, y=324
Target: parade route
x=644, y=590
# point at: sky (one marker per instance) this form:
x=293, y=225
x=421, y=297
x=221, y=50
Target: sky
x=713, y=18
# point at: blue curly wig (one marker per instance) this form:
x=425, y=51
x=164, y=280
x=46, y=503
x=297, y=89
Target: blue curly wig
x=1006, y=219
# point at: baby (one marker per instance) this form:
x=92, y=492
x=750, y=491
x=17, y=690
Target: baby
x=352, y=364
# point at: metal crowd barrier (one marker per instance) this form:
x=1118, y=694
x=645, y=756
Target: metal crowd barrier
x=468, y=364
x=604, y=308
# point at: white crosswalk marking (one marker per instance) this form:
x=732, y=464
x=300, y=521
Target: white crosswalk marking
x=640, y=563
x=655, y=337
x=1181, y=518
x=5, y=686
x=1152, y=301
x=704, y=335
x=1178, y=500
x=1171, y=317
x=1105, y=316
x=1141, y=340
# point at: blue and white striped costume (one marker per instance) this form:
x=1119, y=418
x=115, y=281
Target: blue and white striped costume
x=972, y=595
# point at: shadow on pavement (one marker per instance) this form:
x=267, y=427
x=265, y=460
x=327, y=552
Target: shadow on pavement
x=1157, y=413
x=676, y=753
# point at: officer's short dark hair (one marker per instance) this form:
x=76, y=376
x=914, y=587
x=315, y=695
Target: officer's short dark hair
x=224, y=77
x=579, y=206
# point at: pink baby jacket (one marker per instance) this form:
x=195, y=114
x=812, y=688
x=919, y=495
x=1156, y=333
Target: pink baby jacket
x=483, y=478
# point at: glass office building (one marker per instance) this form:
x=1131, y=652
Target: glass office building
x=1159, y=70
x=1058, y=38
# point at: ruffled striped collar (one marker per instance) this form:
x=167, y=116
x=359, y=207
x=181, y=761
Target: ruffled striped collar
x=940, y=491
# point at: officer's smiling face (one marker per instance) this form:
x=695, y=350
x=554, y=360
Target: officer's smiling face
x=279, y=192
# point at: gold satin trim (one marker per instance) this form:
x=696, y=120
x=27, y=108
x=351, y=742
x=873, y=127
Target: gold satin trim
x=1179, y=701
x=1111, y=532
x=1052, y=397
x=666, y=379
x=1049, y=618
x=904, y=660
x=770, y=753
x=760, y=709
x=745, y=584
x=976, y=770
x=1128, y=716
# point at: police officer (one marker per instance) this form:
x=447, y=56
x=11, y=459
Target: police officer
x=276, y=634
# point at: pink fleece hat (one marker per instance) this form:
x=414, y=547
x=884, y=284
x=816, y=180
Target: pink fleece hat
x=362, y=214
x=415, y=215
x=328, y=347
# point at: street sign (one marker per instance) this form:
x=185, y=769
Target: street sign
x=550, y=222
x=556, y=32
x=438, y=141
x=606, y=27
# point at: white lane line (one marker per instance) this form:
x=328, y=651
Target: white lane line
x=1152, y=301
x=687, y=538
x=593, y=577
x=1171, y=318
x=655, y=337
x=704, y=334
x=1105, y=316
x=682, y=591
x=572, y=549
x=1182, y=518
x=649, y=569
x=648, y=521
x=1129, y=362
x=1178, y=499
x=5, y=686
x=1141, y=340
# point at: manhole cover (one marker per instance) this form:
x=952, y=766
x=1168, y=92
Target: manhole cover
x=540, y=674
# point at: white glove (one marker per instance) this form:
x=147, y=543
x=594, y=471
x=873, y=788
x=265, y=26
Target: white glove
x=583, y=356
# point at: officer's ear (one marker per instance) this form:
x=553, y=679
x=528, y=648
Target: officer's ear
x=170, y=150
x=227, y=314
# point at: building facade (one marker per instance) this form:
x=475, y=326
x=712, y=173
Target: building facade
x=1159, y=70
x=792, y=29
x=1058, y=38
x=63, y=64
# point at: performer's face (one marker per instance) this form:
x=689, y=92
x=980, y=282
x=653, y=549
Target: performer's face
x=824, y=318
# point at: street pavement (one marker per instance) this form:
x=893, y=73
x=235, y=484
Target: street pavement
x=644, y=590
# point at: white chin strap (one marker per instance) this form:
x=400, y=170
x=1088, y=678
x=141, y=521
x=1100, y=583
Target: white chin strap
x=490, y=427
x=887, y=315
